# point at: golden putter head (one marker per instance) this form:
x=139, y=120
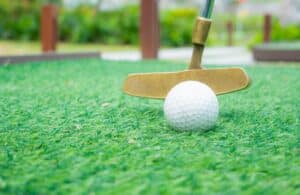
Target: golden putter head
x=157, y=85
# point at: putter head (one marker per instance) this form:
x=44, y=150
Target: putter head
x=157, y=85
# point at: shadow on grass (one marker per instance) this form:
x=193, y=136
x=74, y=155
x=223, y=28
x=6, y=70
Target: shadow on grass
x=151, y=112
x=158, y=115
x=229, y=114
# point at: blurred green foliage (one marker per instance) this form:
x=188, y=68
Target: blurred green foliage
x=20, y=21
x=176, y=26
x=287, y=33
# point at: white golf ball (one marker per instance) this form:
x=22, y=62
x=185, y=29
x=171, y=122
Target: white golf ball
x=191, y=106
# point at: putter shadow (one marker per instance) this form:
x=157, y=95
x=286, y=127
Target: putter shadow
x=232, y=116
x=155, y=113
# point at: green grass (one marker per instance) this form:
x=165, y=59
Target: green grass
x=25, y=47
x=66, y=128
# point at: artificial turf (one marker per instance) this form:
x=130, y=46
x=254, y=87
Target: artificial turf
x=67, y=128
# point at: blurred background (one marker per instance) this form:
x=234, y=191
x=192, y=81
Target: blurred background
x=113, y=25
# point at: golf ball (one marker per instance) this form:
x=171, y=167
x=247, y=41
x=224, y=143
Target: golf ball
x=191, y=106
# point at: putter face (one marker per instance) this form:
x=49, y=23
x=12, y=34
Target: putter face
x=157, y=85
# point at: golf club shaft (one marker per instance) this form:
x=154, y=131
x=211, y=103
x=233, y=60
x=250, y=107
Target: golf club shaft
x=208, y=9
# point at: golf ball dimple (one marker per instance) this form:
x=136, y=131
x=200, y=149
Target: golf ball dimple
x=191, y=106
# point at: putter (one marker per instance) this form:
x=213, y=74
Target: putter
x=221, y=81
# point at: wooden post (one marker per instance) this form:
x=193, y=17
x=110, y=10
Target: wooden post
x=230, y=31
x=267, y=28
x=49, y=28
x=149, y=29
